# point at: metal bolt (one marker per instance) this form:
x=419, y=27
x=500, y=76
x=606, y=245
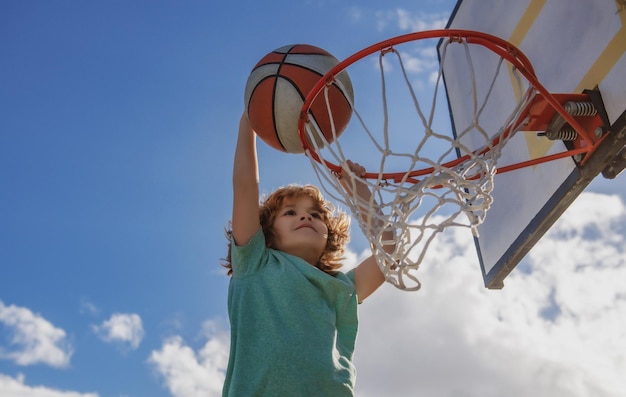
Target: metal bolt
x=598, y=132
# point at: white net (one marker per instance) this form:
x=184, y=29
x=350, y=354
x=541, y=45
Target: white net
x=419, y=171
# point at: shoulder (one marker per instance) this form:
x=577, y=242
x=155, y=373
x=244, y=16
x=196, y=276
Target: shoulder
x=248, y=258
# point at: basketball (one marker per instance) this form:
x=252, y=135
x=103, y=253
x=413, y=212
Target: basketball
x=277, y=87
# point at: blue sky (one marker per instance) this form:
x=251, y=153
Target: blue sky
x=117, y=128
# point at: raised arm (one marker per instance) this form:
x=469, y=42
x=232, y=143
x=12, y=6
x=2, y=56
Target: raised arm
x=245, y=219
x=367, y=275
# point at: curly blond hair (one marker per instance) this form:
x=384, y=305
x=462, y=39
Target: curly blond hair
x=338, y=224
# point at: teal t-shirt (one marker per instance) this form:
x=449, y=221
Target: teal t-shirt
x=293, y=327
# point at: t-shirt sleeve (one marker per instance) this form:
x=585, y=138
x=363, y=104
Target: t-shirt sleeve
x=350, y=275
x=249, y=258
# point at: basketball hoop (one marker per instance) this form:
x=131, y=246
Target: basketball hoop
x=415, y=169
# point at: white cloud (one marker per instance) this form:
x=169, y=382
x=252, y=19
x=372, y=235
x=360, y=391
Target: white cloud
x=187, y=373
x=420, y=63
x=15, y=387
x=355, y=14
x=426, y=61
x=406, y=21
x=87, y=307
x=124, y=329
x=34, y=340
x=415, y=23
x=558, y=328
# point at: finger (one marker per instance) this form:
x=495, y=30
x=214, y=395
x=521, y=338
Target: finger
x=358, y=169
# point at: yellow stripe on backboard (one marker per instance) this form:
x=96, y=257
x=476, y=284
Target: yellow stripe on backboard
x=521, y=30
x=612, y=53
x=526, y=21
x=537, y=146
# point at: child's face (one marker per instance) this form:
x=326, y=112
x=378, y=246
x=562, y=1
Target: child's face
x=301, y=229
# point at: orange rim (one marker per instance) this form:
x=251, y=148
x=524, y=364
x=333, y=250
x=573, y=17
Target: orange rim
x=501, y=47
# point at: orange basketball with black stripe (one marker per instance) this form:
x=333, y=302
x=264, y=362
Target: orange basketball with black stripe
x=278, y=86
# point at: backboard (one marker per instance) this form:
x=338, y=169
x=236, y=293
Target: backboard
x=574, y=46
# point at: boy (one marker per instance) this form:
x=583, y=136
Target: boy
x=293, y=315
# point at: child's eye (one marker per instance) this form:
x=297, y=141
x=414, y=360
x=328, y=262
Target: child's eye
x=290, y=212
x=316, y=215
